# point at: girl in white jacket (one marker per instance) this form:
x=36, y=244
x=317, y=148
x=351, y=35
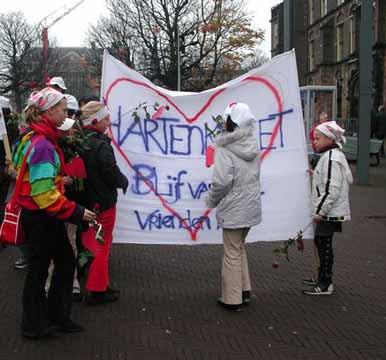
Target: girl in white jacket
x=235, y=192
x=330, y=196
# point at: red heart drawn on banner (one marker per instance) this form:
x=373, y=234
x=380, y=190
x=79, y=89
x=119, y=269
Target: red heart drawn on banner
x=258, y=79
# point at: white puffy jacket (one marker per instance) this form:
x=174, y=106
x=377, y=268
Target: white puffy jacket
x=235, y=189
x=330, y=186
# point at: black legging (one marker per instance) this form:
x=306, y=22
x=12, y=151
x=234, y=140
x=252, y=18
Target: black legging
x=47, y=240
x=326, y=257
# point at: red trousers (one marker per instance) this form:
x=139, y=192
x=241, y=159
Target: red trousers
x=98, y=273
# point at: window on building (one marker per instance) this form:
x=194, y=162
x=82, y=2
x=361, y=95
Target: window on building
x=327, y=33
x=323, y=8
x=275, y=35
x=339, y=96
x=352, y=30
x=311, y=11
x=357, y=16
x=311, y=57
x=352, y=34
x=339, y=37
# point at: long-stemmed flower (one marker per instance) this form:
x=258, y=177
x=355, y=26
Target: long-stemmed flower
x=283, y=250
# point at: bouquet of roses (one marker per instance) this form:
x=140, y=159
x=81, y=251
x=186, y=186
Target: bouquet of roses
x=283, y=250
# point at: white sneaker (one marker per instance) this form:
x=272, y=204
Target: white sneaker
x=317, y=290
x=311, y=281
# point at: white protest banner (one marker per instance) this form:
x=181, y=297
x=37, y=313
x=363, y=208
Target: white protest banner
x=164, y=158
x=4, y=135
x=3, y=128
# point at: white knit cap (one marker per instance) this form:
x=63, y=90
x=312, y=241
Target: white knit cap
x=240, y=114
x=57, y=80
x=72, y=103
x=333, y=131
x=67, y=125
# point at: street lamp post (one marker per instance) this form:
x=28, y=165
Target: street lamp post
x=365, y=85
x=178, y=62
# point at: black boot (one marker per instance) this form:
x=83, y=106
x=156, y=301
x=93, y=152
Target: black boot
x=68, y=326
x=246, y=297
x=230, y=307
x=101, y=297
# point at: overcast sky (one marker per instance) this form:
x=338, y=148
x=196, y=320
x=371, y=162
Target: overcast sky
x=71, y=30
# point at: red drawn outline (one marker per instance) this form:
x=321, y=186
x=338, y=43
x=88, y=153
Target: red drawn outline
x=259, y=79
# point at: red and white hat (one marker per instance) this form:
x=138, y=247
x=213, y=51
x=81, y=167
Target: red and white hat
x=45, y=98
x=333, y=131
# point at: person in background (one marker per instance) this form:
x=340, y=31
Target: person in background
x=86, y=99
x=72, y=106
x=44, y=211
x=7, y=173
x=72, y=182
x=58, y=84
x=330, y=196
x=373, y=121
x=323, y=117
x=380, y=126
x=103, y=179
x=6, y=177
x=235, y=192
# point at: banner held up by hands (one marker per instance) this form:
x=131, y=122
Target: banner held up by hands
x=161, y=136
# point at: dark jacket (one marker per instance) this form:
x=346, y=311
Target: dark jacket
x=380, y=125
x=103, y=174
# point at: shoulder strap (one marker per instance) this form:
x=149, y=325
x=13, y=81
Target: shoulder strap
x=21, y=172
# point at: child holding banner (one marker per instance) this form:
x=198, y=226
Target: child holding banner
x=103, y=179
x=235, y=191
x=330, y=194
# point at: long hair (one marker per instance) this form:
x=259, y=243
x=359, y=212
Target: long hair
x=32, y=114
x=230, y=126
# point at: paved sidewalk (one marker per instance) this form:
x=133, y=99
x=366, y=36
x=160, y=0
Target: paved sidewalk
x=168, y=305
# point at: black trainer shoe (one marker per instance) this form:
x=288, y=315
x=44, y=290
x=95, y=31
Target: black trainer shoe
x=101, y=297
x=49, y=331
x=112, y=290
x=230, y=307
x=318, y=290
x=21, y=263
x=68, y=326
x=310, y=281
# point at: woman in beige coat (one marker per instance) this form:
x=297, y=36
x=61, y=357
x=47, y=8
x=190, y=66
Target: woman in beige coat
x=235, y=191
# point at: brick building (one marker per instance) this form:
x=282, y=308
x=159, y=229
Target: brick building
x=296, y=12
x=331, y=39
x=72, y=64
x=73, y=67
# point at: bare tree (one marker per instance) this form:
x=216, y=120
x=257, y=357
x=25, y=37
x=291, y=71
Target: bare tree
x=256, y=59
x=16, y=41
x=213, y=37
x=21, y=58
